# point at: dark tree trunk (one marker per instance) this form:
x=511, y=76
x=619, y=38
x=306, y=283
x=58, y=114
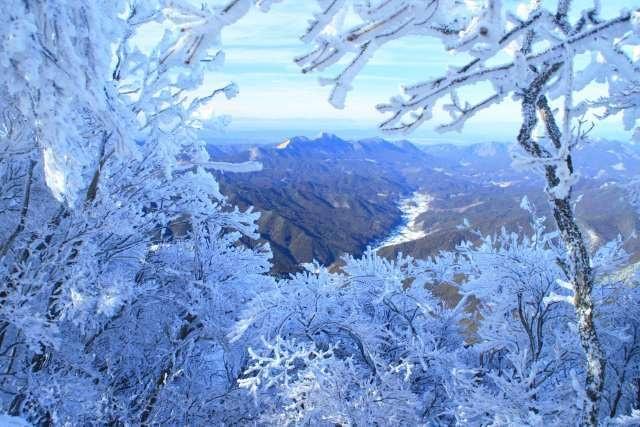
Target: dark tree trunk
x=579, y=271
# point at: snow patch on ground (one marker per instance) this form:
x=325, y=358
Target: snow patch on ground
x=465, y=208
x=486, y=150
x=411, y=207
x=283, y=144
x=502, y=184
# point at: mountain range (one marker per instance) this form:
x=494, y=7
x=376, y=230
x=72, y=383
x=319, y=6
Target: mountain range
x=326, y=196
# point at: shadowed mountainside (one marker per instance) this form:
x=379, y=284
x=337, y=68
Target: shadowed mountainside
x=323, y=197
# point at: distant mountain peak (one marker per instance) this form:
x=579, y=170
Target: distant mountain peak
x=329, y=145
x=294, y=140
x=324, y=144
x=326, y=136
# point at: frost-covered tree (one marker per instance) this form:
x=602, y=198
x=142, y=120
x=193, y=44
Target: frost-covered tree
x=121, y=268
x=370, y=345
x=526, y=345
x=532, y=52
x=530, y=360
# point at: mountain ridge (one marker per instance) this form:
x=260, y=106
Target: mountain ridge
x=325, y=196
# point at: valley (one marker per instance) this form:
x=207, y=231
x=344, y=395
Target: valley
x=323, y=197
x=412, y=209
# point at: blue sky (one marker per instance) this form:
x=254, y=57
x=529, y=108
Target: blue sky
x=276, y=100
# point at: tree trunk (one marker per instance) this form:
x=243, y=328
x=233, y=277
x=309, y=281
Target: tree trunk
x=579, y=272
x=582, y=281
x=190, y=324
